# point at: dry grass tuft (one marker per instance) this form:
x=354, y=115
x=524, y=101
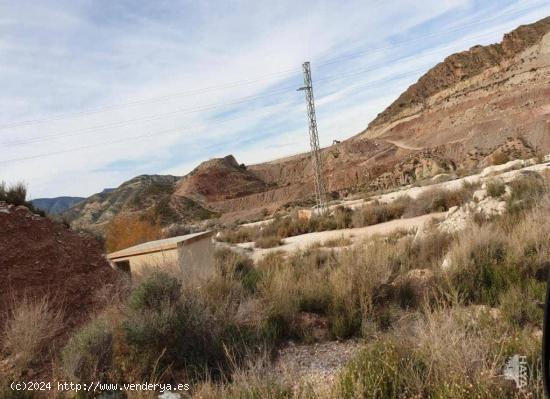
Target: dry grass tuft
x=30, y=329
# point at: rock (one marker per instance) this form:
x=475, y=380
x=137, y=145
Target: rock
x=456, y=220
x=491, y=207
x=21, y=208
x=452, y=210
x=479, y=195
x=491, y=170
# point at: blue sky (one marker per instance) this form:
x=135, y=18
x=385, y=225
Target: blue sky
x=97, y=92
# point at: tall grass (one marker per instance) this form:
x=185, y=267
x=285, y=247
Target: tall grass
x=29, y=330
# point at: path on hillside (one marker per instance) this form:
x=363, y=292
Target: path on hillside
x=356, y=235
x=400, y=144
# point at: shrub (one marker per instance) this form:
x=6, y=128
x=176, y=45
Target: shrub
x=526, y=191
x=495, y=188
x=379, y=213
x=126, y=230
x=439, y=200
x=29, y=330
x=520, y=305
x=162, y=326
x=337, y=242
x=343, y=217
x=269, y=241
x=499, y=158
x=237, y=235
x=448, y=353
x=15, y=194
x=87, y=356
x=479, y=269
x=383, y=370
x=157, y=290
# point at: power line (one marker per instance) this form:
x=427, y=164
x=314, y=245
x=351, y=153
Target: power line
x=185, y=111
x=150, y=100
x=154, y=134
x=249, y=81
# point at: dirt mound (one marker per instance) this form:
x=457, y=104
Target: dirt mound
x=41, y=257
x=219, y=179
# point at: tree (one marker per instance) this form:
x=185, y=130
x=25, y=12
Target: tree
x=126, y=230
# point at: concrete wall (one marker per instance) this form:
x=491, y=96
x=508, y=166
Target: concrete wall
x=196, y=258
x=161, y=259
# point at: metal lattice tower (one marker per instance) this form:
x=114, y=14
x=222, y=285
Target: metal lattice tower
x=320, y=192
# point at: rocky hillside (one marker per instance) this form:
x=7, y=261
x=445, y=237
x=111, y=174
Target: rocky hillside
x=55, y=205
x=476, y=108
x=148, y=195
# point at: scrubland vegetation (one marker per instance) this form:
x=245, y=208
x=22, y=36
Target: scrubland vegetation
x=273, y=233
x=429, y=331
x=16, y=194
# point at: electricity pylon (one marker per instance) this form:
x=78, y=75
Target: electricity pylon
x=320, y=192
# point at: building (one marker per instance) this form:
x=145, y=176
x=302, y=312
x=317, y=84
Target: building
x=192, y=253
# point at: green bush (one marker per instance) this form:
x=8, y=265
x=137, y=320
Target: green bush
x=480, y=272
x=521, y=304
x=87, y=356
x=157, y=290
x=162, y=324
x=383, y=370
x=526, y=190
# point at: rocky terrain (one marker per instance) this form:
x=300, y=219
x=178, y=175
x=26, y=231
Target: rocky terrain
x=480, y=107
x=148, y=195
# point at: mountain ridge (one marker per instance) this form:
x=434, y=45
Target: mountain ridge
x=474, y=108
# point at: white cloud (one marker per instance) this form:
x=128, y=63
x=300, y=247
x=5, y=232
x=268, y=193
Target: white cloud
x=72, y=56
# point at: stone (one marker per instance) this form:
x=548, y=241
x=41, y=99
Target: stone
x=479, y=195
x=21, y=208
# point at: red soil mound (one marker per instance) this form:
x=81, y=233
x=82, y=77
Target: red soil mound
x=40, y=257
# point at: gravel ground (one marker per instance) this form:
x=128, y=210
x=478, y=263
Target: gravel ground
x=316, y=364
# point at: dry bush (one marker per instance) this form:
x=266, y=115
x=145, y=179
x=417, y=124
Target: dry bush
x=447, y=353
x=377, y=212
x=255, y=379
x=439, y=200
x=527, y=190
x=499, y=158
x=126, y=230
x=479, y=269
x=30, y=329
x=268, y=241
x=337, y=242
x=495, y=188
x=15, y=194
x=238, y=234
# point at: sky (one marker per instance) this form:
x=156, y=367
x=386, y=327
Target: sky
x=97, y=92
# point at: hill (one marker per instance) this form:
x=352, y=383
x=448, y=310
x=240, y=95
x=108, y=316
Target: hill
x=479, y=107
x=147, y=195
x=55, y=205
